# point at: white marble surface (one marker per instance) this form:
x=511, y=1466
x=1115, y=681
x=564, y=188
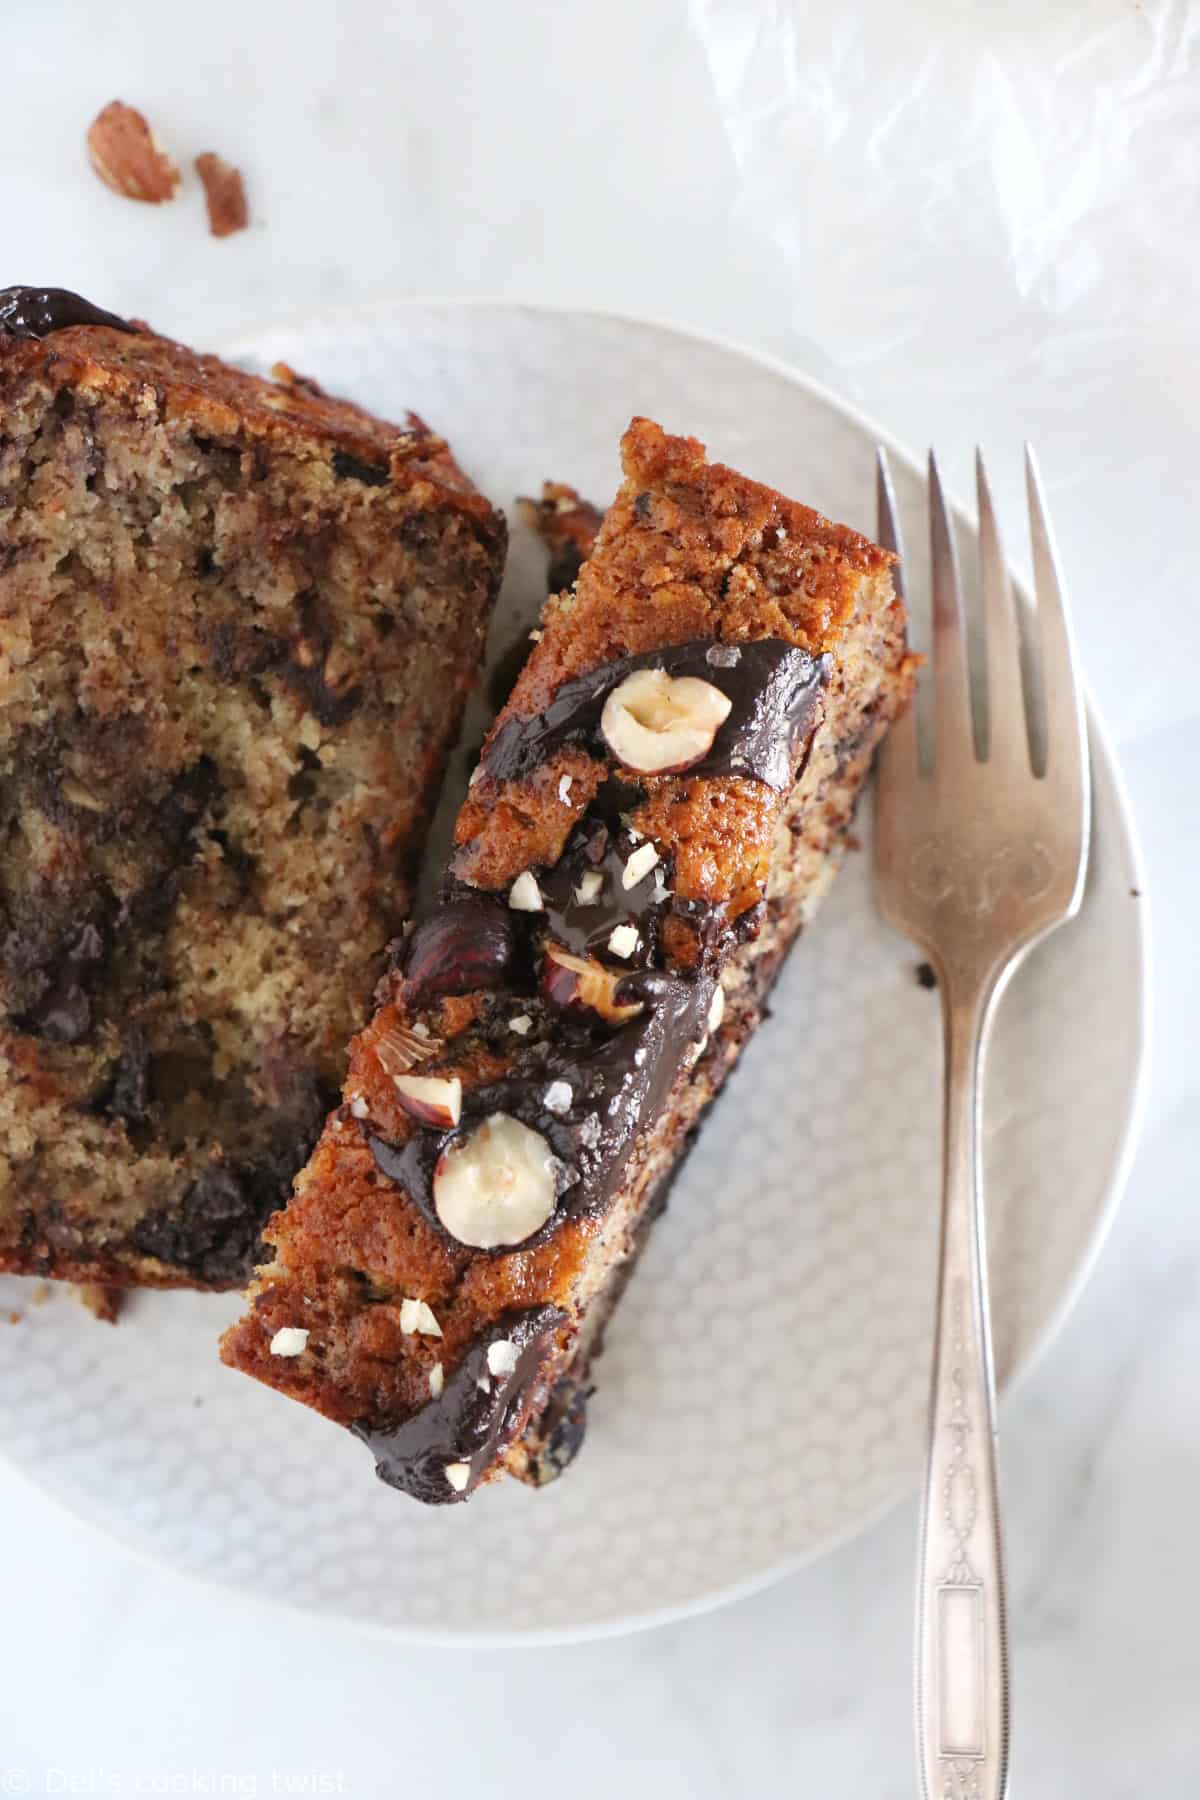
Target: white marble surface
x=1036, y=268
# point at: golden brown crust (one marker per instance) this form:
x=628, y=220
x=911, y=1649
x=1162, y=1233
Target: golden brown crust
x=689, y=549
x=212, y=398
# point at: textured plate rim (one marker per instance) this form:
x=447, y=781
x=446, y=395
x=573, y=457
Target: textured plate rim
x=248, y=342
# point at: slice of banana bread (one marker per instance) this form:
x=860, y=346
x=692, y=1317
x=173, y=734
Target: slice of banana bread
x=655, y=814
x=238, y=621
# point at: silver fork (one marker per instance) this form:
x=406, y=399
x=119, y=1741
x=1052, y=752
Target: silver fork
x=979, y=854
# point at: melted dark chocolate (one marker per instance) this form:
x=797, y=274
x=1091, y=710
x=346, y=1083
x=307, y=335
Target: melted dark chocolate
x=588, y=1088
x=27, y=312
x=618, y=1080
x=562, y=1428
x=774, y=689
x=475, y=1416
x=584, y=925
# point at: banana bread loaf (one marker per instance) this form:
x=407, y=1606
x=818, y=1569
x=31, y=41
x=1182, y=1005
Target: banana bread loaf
x=238, y=621
x=656, y=812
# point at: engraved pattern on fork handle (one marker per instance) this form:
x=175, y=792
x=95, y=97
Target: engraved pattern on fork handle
x=962, y=1661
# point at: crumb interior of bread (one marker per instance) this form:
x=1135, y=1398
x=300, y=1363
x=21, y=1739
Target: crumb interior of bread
x=225, y=680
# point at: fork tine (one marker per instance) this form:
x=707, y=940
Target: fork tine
x=1008, y=739
x=953, y=734
x=887, y=525
x=1062, y=699
x=897, y=758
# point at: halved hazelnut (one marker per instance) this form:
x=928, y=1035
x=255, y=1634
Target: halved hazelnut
x=654, y=722
x=578, y=982
x=497, y=1187
x=431, y=1099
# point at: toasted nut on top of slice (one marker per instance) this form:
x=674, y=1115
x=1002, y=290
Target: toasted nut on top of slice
x=524, y=895
x=127, y=156
x=573, y=982
x=654, y=722
x=400, y=1049
x=497, y=1186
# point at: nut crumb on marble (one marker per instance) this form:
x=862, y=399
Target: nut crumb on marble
x=128, y=157
x=224, y=195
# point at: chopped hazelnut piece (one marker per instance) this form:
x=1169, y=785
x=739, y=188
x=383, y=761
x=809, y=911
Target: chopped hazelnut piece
x=525, y=895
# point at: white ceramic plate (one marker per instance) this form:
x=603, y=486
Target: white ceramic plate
x=763, y=1390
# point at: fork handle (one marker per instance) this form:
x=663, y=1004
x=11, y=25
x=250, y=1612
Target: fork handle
x=961, y=1655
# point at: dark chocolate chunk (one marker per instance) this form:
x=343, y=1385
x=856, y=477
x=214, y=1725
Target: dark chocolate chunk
x=618, y=1081
x=63, y=1012
x=562, y=570
x=585, y=926
x=348, y=468
x=774, y=690
x=475, y=1417
x=126, y=1094
x=214, y=1233
x=563, y=1428
x=303, y=666
x=35, y=312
